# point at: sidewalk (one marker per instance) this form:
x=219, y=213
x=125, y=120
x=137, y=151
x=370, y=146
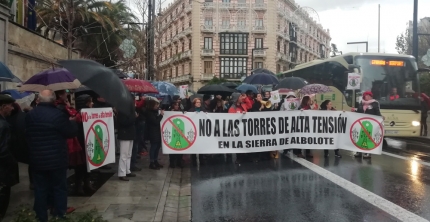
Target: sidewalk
x=154, y=195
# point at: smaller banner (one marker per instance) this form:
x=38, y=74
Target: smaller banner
x=291, y=104
x=199, y=133
x=99, y=135
x=353, y=81
x=274, y=97
x=183, y=91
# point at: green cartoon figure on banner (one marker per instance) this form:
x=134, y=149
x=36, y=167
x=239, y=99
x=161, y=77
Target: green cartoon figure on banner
x=178, y=141
x=99, y=154
x=364, y=141
x=292, y=105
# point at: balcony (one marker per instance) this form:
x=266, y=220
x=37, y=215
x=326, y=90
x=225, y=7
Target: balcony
x=259, y=53
x=208, y=28
x=282, y=57
x=207, y=76
x=166, y=62
x=182, y=56
x=188, y=8
x=259, y=29
x=259, y=6
x=225, y=27
x=187, y=31
x=242, y=5
x=180, y=79
x=242, y=28
x=208, y=52
x=226, y=5
x=208, y=5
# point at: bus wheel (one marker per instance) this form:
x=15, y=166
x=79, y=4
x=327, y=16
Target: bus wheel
x=384, y=144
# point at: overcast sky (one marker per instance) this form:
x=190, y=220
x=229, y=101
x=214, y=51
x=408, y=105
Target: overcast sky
x=357, y=20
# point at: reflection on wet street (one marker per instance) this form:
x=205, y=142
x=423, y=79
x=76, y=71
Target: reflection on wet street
x=285, y=190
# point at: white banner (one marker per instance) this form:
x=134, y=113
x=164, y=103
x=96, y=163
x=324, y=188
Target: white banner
x=274, y=97
x=99, y=135
x=183, y=91
x=353, y=81
x=198, y=133
x=291, y=104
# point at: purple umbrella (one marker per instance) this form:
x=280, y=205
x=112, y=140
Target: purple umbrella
x=53, y=79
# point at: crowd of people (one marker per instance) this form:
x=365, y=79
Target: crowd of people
x=55, y=139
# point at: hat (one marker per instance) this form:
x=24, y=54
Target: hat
x=368, y=93
x=6, y=99
x=291, y=94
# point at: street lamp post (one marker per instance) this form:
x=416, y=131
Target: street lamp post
x=252, y=56
x=365, y=42
x=415, y=31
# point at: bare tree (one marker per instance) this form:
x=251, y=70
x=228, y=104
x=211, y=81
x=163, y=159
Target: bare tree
x=404, y=41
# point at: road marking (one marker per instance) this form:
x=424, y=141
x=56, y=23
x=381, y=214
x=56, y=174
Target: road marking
x=383, y=204
x=406, y=158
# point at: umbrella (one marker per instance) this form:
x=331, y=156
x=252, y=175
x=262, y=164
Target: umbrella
x=104, y=82
x=53, y=79
x=293, y=83
x=139, y=86
x=261, y=78
x=26, y=101
x=314, y=89
x=6, y=75
x=120, y=74
x=165, y=88
x=261, y=70
x=231, y=85
x=245, y=87
x=16, y=94
x=216, y=90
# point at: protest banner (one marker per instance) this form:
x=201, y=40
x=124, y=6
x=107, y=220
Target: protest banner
x=99, y=135
x=183, y=91
x=200, y=133
x=275, y=97
x=353, y=81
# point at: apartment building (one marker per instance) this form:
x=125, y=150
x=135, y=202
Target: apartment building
x=198, y=40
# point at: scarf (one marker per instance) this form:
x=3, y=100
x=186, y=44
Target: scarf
x=367, y=103
x=197, y=109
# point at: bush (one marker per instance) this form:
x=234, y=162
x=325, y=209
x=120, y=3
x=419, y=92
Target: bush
x=27, y=215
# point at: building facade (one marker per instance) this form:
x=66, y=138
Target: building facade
x=197, y=41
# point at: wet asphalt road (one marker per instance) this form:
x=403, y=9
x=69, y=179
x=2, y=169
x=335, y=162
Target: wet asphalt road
x=284, y=190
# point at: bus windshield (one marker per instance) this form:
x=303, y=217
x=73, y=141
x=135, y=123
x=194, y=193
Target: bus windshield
x=393, y=81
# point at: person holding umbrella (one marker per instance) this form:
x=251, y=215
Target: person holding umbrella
x=153, y=118
x=305, y=105
x=327, y=105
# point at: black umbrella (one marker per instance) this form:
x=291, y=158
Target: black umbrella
x=216, y=90
x=104, y=82
x=231, y=85
x=261, y=70
x=261, y=78
x=293, y=83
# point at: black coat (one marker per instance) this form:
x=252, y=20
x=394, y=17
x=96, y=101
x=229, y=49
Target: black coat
x=373, y=109
x=424, y=109
x=18, y=145
x=126, y=126
x=153, y=128
x=9, y=171
x=47, y=131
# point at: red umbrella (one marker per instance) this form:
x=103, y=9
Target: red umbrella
x=139, y=86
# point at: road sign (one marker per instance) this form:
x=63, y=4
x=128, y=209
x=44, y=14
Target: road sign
x=178, y=132
x=366, y=133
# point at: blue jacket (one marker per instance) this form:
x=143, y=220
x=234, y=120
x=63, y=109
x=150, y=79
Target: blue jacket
x=47, y=131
